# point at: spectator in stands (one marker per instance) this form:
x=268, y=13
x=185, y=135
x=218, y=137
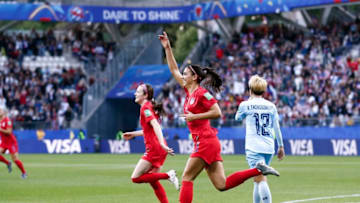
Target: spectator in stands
x=2, y=102
x=68, y=117
x=34, y=97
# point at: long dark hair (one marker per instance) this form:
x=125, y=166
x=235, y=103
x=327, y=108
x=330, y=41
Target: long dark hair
x=207, y=77
x=158, y=107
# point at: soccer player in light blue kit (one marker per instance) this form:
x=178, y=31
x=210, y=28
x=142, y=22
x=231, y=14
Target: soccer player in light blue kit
x=262, y=127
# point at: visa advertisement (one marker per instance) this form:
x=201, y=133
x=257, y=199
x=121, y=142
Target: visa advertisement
x=298, y=141
x=57, y=146
x=295, y=147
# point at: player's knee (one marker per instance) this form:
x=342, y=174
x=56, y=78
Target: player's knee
x=220, y=187
x=14, y=157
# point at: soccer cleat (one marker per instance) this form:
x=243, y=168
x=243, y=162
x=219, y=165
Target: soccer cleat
x=9, y=166
x=173, y=179
x=24, y=175
x=266, y=170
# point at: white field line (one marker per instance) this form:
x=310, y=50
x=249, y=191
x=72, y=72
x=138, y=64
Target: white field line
x=322, y=198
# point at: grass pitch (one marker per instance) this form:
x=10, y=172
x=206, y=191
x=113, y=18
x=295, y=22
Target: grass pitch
x=106, y=178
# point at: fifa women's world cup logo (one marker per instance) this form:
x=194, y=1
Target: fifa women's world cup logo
x=78, y=14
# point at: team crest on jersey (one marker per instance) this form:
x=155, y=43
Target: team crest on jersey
x=208, y=96
x=147, y=113
x=9, y=122
x=192, y=100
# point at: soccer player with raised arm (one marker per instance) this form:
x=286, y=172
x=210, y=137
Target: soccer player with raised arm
x=262, y=128
x=199, y=107
x=8, y=142
x=148, y=168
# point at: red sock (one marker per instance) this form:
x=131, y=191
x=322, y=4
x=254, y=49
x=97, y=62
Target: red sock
x=186, y=192
x=159, y=191
x=20, y=165
x=239, y=177
x=2, y=159
x=150, y=177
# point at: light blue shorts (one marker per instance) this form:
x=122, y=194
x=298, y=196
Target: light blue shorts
x=253, y=158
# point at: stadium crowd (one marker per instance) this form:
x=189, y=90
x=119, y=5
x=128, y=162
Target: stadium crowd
x=90, y=48
x=310, y=78
x=39, y=97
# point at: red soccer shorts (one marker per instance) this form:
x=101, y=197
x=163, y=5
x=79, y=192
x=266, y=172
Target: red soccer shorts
x=207, y=149
x=13, y=148
x=156, y=159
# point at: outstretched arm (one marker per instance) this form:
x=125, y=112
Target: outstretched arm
x=159, y=135
x=174, y=69
x=130, y=135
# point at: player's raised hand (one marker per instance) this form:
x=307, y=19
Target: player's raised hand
x=128, y=135
x=164, y=40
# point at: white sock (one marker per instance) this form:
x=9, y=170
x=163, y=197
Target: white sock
x=264, y=192
x=256, y=194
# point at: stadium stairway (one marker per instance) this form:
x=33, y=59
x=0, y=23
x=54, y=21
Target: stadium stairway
x=124, y=57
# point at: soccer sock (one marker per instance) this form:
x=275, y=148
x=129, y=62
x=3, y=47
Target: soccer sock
x=2, y=159
x=186, y=192
x=159, y=191
x=20, y=165
x=264, y=192
x=150, y=177
x=239, y=177
x=256, y=195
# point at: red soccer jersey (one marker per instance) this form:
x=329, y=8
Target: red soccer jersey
x=7, y=139
x=151, y=141
x=200, y=101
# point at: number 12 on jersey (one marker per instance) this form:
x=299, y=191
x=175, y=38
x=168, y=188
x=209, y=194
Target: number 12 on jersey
x=265, y=118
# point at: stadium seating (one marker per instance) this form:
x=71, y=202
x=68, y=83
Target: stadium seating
x=43, y=85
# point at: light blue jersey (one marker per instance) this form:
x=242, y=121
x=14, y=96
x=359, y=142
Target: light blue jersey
x=262, y=125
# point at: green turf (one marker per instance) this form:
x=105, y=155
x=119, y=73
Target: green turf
x=106, y=178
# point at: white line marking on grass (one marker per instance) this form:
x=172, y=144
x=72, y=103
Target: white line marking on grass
x=322, y=163
x=322, y=198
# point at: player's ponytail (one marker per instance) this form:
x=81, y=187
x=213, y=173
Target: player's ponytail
x=158, y=107
x=208, y=77
x=213, y=80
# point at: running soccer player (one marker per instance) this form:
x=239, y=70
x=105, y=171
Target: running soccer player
x=8, y=142
x=262, y=127
x=147, y=169
x=199, y=107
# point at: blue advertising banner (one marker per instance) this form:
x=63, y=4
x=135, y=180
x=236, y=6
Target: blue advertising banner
x=298, y=147
x=57, y=146
x=102, y=14
x=156, y=75
x=287, y=132
x=303, y=141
